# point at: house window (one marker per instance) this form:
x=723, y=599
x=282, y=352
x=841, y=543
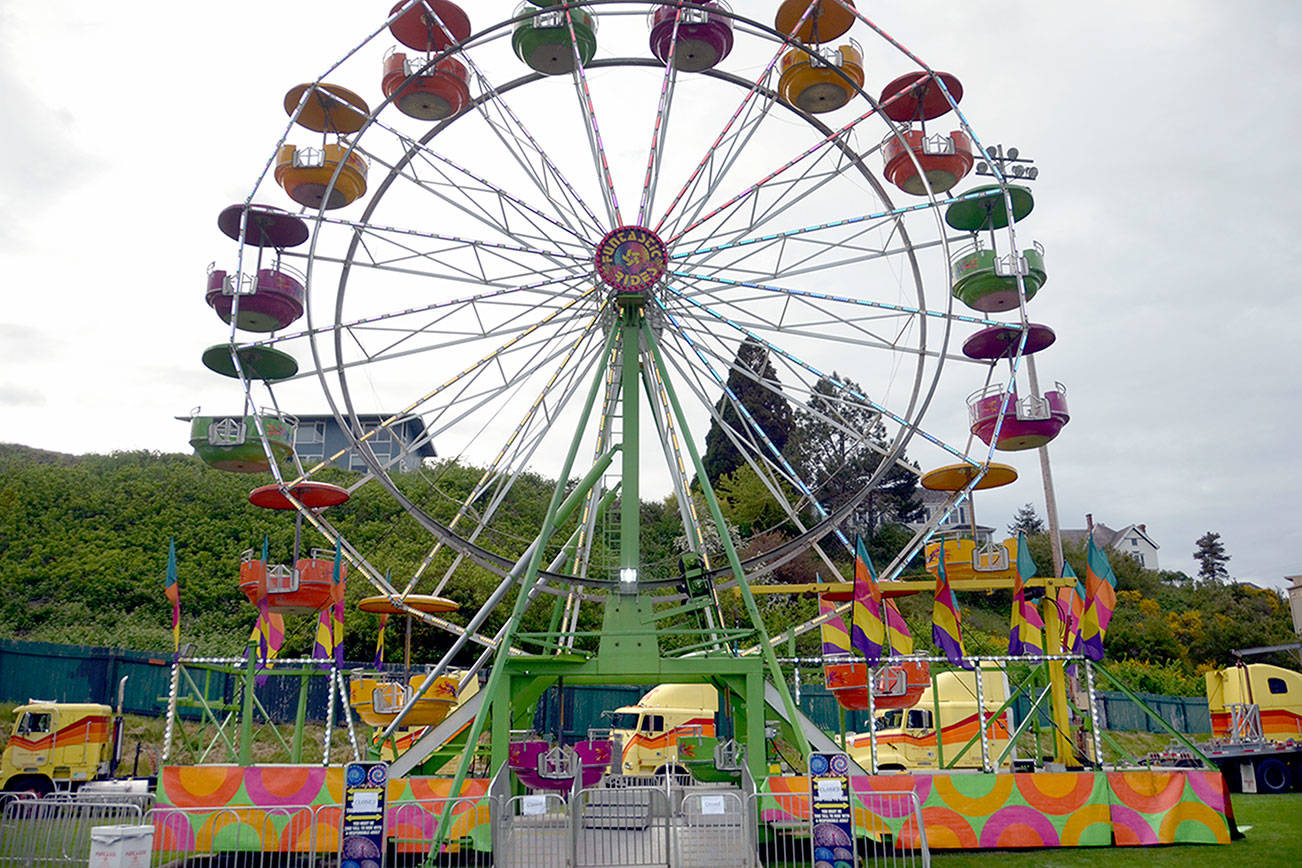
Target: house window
x=1134, y=541
x=309, y=432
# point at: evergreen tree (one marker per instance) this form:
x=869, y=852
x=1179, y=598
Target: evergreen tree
x=754, y=383
x=1211, y=557
x=837, y=445
x=1026, y=521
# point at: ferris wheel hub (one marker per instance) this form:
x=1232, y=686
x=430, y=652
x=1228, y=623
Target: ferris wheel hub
x=631, y=260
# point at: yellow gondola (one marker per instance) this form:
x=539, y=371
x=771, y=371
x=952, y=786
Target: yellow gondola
x=823, y=81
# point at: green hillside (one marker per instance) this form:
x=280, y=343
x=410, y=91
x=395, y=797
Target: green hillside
x=83, y=552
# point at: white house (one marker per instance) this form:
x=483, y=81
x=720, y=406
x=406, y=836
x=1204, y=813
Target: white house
x=1132, y=540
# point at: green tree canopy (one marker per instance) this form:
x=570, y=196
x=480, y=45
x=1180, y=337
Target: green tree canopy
x=753, y=385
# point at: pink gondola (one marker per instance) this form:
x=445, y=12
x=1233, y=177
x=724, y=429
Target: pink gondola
x=1028, y=423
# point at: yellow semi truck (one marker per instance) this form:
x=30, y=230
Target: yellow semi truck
x=906, y=737
x=60, y=745
x=646, y=735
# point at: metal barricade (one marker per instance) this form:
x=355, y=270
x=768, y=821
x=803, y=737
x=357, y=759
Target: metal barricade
x=468, y=841
x=55, y=832
x=241, y=837
x=889, y=830
x=714, y=830
x=628, y=826
x=533, y=831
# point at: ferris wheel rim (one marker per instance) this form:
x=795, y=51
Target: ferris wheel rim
x=497, y=563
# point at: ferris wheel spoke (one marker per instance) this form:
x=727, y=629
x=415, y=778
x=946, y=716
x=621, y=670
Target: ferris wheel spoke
x=660, y=128
x=799, y=363
x=459, y=272
x=512, y=460
x=813, y=298
x=750, y=97
x=508, y=125
x=478, y=198
x=768, y=463
x=867, y=327
x=834, y=143
x=719, y=159
x=592, y=128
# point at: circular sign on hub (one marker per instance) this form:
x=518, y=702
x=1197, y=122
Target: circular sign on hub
x=631, y=260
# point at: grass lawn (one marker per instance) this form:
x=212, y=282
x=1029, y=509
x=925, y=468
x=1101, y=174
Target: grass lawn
x=1274, y=839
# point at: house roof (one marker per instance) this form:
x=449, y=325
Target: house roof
x=1105, y=536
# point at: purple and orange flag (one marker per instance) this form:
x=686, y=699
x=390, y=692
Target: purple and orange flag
x=836, y=638
x=1100, y=600
x=329, y=644
x=1026, y=629
x=867, y=627
x=946, y=632
x=1071, y=605
x=172, y=590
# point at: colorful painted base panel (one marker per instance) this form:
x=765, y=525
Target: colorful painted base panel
x=417, y=28
x=979, y=284
x=265, y=226
x=258, y=363
x=823, y=83
x=953, y=477
x=703, y=39
x=1016, y=433
x=916, y=96
x=313, y=495
x=543, y=40
x=307, y=175
x=1040, y=809
x=276, y=301
x=986, y=208
x=1001, y=341
x=315, y=585
x=231, y=443
x=828, y=20
x=921, y=163
x=437, y=93
x=326, y=108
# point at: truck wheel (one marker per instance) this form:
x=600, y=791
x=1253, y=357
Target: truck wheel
x=38, y=785
x=1273, y=776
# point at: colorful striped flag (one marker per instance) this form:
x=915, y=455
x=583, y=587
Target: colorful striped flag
x=268, y=636
x=836, y=639
x=867, y=630
x=1100, y=600
x=1025, y=632
x=898, y=636
x=945, y=619
x=172, y=590
x=329, y=644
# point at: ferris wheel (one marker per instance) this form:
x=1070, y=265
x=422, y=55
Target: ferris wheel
x=563, y=244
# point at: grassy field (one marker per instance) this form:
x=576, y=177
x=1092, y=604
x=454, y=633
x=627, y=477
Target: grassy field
x=1273, y=837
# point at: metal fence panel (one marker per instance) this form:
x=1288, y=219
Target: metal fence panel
x=714, y=831
x=533, y=832
x=626, y=827
x=55, y=832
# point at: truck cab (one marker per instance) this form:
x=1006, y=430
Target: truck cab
x=646, y=735
x=906, y=737
x=57, y=745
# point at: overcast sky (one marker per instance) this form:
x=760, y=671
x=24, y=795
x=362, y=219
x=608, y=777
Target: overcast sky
x=1165, y=133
